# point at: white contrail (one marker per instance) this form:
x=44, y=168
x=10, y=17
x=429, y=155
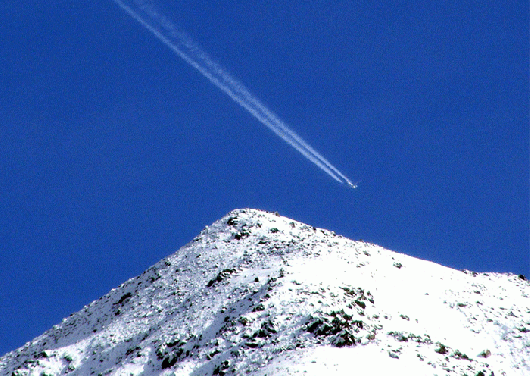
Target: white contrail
x=145, y=13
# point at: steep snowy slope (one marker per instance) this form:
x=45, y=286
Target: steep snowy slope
x=260, y=294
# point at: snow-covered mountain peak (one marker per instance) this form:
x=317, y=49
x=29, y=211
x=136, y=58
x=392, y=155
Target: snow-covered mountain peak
x=257, y=293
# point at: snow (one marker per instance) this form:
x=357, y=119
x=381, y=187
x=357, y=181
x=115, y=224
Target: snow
x=260, y=294
x=326, y=360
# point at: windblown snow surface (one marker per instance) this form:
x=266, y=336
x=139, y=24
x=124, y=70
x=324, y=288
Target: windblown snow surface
x=260, y=294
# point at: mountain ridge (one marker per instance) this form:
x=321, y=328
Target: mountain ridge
x=263, y=294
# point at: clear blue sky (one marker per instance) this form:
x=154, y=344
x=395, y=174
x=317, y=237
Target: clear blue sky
x=115, y=152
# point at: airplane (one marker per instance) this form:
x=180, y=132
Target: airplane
x=352, y=185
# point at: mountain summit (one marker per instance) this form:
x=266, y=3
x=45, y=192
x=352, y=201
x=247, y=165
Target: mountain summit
x=260, y=294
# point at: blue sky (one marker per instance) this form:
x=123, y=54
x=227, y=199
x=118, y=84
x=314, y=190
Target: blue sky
x=115, y=152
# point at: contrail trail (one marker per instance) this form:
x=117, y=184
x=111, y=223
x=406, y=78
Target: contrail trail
x=146, y=14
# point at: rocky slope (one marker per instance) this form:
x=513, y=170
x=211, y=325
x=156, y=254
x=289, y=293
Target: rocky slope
x=260, y=294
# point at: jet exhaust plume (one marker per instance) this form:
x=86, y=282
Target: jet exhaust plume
x=145, y=13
